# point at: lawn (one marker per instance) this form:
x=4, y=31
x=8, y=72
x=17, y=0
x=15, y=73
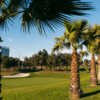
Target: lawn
x=46, y=86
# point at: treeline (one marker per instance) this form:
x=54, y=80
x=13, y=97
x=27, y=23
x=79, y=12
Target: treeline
x=48, y=61
x=9, y=62
x=41, y=60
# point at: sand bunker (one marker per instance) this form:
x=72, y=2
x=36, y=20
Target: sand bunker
x=17, y=75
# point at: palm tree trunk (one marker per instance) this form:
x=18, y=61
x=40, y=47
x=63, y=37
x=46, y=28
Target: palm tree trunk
x=0, y=70
x=75, y=77
x=99, y=67
x=93, y=77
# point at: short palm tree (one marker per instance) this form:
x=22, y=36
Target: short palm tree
x=91, y=43
x=73, y=38
x=59, y=45
x=41, y=12
x=82, y=55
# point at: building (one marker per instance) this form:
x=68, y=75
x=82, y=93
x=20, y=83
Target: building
x=4, y=51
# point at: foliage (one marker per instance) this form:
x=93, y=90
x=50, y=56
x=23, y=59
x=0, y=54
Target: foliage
x=42, y=58
x=82, y=55
x=73, y=36
x=8, y=62
x=41, y=13
x=92, y=38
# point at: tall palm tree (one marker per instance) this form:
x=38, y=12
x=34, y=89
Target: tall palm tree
x=41, y=12
x=98, y=54
x=91, y=43
x=0, y=65
x=98, y=67
x=74, y=35
x=73, y=38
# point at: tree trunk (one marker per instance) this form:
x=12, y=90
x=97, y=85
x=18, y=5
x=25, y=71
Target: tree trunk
x=99, y=67
x=0, y=70
x=75, y=77
x=93, y=77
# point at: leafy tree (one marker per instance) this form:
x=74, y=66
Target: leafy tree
x=27, y=62
x=35, y=60
x=8, y=62
x=51, y=62
x=42, y=58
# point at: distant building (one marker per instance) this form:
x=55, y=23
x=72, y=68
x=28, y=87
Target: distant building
x=5, y=51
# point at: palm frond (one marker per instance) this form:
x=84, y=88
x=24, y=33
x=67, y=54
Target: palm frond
x=67, y=45
x=44, y=11
x=1, y=39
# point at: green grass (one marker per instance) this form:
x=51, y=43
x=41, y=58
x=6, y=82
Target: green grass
x=46, y=86
x=8, y=73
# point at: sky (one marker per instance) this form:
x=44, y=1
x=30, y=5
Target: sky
x=22, y=44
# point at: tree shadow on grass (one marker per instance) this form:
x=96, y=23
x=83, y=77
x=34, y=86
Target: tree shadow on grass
x=29, y=70
x=1, y=98
x=90, y=94
x=82, y=69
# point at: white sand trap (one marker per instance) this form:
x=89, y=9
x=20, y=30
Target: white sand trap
x=17, y=75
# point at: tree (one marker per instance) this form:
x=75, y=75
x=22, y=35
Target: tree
x=2, y=2
x=42, y=58
x=41, y=13
x=98, y=67
x=73, y=37
x=98, y=54
x=87, y=65
x=0, y=63
x=91, y=42
x=82, y=54
x=9, y=62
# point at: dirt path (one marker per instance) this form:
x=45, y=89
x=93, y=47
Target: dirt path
x=17, y=75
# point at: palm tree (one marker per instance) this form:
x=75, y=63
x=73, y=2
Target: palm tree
x=98, y=67
x=41, y=13
x=91, y=43
x=2, y=2
x=98, y=54
x=0, y=64
x=83, y=54
x=74, y=35
x=86, y=64
x=73, y=38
